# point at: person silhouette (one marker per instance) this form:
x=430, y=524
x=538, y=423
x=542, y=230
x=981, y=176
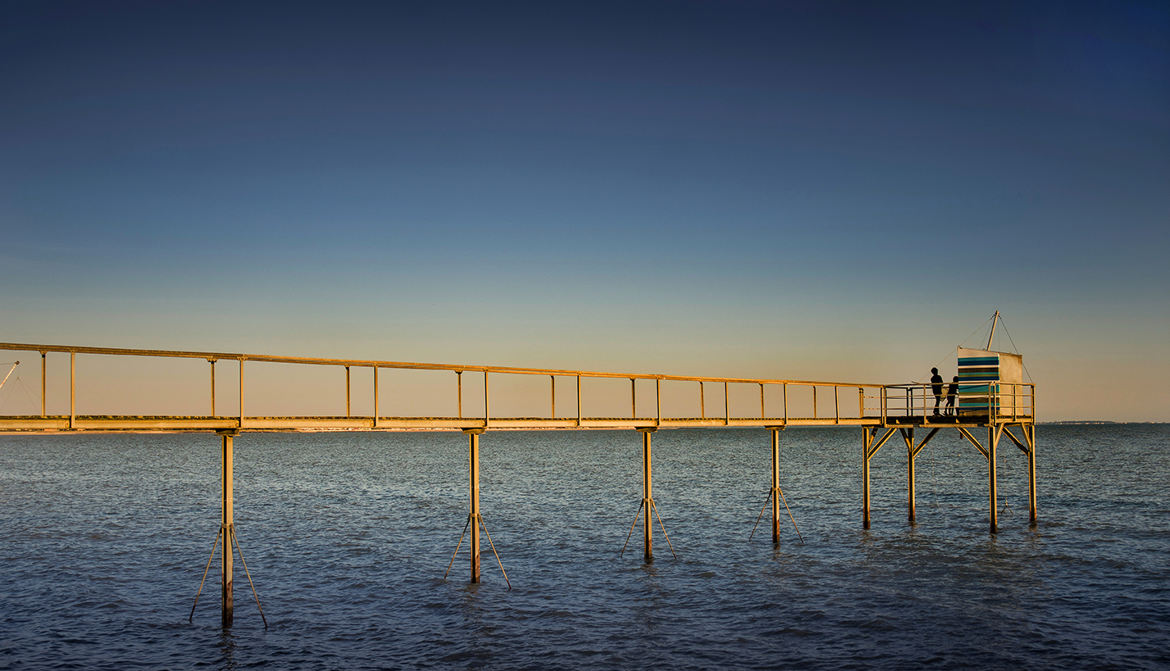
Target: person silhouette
x=936, y=386
x=952, y=394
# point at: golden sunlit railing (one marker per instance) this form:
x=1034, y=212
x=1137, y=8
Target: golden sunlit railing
x=830, y=401
x=984, y=399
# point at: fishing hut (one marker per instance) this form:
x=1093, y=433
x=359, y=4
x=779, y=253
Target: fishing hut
x=993, y=403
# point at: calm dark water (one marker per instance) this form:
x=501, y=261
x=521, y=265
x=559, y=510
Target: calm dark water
x=104, y=539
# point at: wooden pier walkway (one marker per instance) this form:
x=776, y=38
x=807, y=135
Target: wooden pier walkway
x=881, y=411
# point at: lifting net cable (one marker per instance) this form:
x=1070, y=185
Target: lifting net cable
x=973, y=332
x=28, y=395
x=1017, y=349
x=943, y=358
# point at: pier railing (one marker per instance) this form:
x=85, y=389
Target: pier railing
x=689, y=400
x=713, y=401
x=991, y=400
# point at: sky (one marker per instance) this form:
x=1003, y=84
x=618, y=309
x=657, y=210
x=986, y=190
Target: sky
x=804, y=190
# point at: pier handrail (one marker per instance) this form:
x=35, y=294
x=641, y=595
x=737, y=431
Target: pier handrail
x=915, y=401
x=410, y=365
x=876, y=404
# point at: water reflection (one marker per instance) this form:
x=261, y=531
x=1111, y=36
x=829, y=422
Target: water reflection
x=227, y=650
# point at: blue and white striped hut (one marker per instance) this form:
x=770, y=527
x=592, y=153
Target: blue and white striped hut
x=984, y=372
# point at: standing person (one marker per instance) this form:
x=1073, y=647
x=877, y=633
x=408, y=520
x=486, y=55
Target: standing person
x=936, y=386
x=952, y=394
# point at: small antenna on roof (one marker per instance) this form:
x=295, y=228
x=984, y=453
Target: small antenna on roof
x=994, y=322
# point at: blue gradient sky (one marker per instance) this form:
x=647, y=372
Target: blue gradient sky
x=802, y=190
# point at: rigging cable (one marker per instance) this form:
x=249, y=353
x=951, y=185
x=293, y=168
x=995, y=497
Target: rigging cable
x=1017, y=349
x=952, y=350
x=7, y=375
x=28, y=394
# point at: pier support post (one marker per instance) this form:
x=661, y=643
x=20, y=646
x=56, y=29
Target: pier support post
x=647, y=495
x=908, y=436
x=473, y=468
x=474, y=519
x=870, y=444
x=993, y=494
x=227, y=535
x=1030, y=437
x=776, y=495
x=866, y=439
x=912, y=452
x=226, y=529
x=647, y=504
x=775, y=486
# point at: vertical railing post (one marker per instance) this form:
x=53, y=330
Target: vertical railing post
x=761, y=400
x=860, y=402
x=578, y=400
x=375, y=396
x=72, y=388
x=702, y=402
x=212, y=362
x=225, y=527
x=347, y=390
x=784, y=393
x=726, y=407
x=241, y=392
x=552, y=411
x=815, y=415
x=633, y=399
x=657, y=401
x=44, y=383
x=485, y=399
x=459, y=392
x=836, y=405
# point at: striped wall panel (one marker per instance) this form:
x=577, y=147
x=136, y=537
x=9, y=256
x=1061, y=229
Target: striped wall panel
x=974, y=370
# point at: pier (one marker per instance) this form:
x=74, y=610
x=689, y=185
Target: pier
x=988, y=411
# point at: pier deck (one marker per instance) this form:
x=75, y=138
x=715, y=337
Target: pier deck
x=211, y=424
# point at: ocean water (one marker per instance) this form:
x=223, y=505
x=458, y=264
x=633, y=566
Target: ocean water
x=103, y=539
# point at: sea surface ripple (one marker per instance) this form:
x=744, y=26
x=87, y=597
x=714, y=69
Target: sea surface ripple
x=347, y=536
